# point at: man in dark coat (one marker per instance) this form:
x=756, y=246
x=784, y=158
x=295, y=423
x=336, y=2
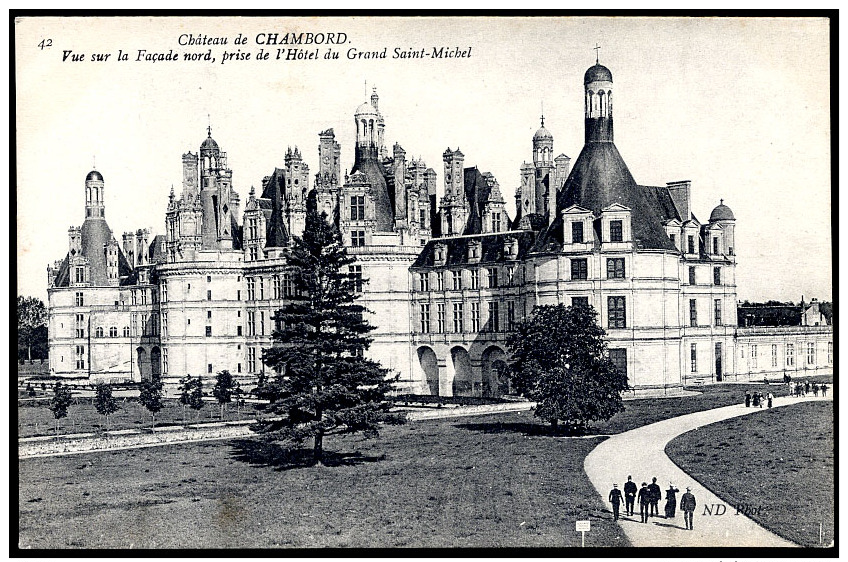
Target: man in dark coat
x=824, y=390
x=671, y=501
x=747, y=398
x=655, y=495
x=806, y=387
x=687, y=506
x=644, y=502
x=615, y=500
x=629, y=495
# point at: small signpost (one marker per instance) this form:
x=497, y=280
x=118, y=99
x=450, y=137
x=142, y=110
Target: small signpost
x=583, y=527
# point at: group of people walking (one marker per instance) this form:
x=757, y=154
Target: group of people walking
x=758, y=400
x=803, y=389
x=649, y=496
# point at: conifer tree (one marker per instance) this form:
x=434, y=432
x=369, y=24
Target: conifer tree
x=560, y=361
x=325, y=384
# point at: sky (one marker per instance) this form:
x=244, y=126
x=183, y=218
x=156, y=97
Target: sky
x=739, y=106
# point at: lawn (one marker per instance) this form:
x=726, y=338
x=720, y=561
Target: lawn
x=769, y=460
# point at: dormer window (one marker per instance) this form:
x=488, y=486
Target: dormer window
x=715, y=244
x=690, y=244
x=577, y=232
x=616, y=231
x=440, y=254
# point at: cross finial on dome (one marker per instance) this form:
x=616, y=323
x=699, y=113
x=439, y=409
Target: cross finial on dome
x=543, y=113
x=93, y=162
x=721, y=201
x=597, y=48
x=209, y=126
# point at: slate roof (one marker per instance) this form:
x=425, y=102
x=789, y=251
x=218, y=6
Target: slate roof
x=155, y=252
x=492, y=246
x=366, y=163
x=276, y=234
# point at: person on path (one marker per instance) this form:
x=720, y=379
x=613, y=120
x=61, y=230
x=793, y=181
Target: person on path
x=670, y=501
x=629, y=495
x=756, y=399
x=687, y=506
x=799, y=388
x=655, y=496
x=770, y=399
x=615, y=500
x=806, y=387
x=747, y=398
x=815, y=389
x=824, y=390
x=644, y=502
x=762, y=399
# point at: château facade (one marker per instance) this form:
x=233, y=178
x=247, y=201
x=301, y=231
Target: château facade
x=445, y=280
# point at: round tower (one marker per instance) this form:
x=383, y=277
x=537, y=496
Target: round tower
x=94, y=206
x=597, y=83
x=723, y=216
x=543, y=146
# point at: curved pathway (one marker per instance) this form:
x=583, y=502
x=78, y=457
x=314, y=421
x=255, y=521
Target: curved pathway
x=641, y=453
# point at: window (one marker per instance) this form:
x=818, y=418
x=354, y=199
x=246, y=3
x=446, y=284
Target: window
x=113, y=332
x=144, y=296
x=673, y=239
x=80, y=326
x=457, y=280
x=774, y=355
x=693, y=313
x=475, y=279
x=126, y=331
x=261, y=288
x=288, y=285
x=262, y=323
x=357, y=207
x=691, y=275
x=251, y=323
x=693, y=358
x=79, y=274
x=209, y=315
x=238, y=330
x=164, y=360
x=80, y=356
x=829, y=352
x=79, y=299
x=496, y=222
x=208, y=331
x=277, y=287
x=208, y=295
x=580, y=301
x=424, y=281
x=690, y=244
x=510, y=315
x=238, y=368
x=357, y=238
x=510, y=275
x=209, y=368
x=422, y=218
x=790, y=354
x=251, y=359
x=493, y=277
x=254, y=253
x=98, y=332
x=494, y=316
x=252, y=229
x=238, y=295
x=251, y=288
x=811, y=353
x=440, y=317
x=354, y=273
x=754, y=356
x=579, y=269
x=475, y=316
x=716, y=276
x=425, y=318
x=619, y=359
x=165, y=291
x=208, y=278
x=615, y=231
x=134, y=297
x=615, y=268
x=457, y=317
x=616, y=314
x=715, y=244
x=717, y=312
x=577, y=232
x=440, y=281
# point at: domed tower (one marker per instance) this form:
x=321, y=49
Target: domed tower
x=543, y=162
x=216, y=197
x=597, y=83
x=723, y=217
x=94, y=207
x=366, y=119
x=369, y=136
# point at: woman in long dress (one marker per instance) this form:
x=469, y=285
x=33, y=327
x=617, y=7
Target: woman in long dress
x=670, y=501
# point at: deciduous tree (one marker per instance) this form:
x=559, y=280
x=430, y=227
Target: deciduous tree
x=104, y=402
x=60, y=402
x=150, y=396
x=223, y=389
x=32, y=329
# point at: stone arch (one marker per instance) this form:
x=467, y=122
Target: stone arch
x=494, y=370
x=155, y=363
x=463, y=377
x=429, y=365
x=142, y=363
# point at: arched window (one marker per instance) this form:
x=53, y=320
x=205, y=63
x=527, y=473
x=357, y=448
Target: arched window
x=126, y=331
x=601, y=104
x=113, y=332
x=98, y=332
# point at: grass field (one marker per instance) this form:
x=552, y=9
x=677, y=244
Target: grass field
x=771, y=461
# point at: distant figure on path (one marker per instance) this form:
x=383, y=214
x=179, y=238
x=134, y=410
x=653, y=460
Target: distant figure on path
x=756, y=399
x=629, y=495
x=747, y=398
x=806, y=387
x=824, y=390
x=815, y=389
x=787, y=379
x=615, y=500
x=655, y=494
x=799, y=388
x=687, y=506
x=770, y=399
x=644, y=501
x=765, y=381
x=670, y=501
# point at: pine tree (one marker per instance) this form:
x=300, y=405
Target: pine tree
x=104, y=402
x=60, y=402
x=223, y=389
x=325, y=384
x=560, y=361
x=151, y=397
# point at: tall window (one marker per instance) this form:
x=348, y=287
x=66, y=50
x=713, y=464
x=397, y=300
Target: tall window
x=715, y=244
x=164, y=360
x=253, y=230
x=144, y=296
x=717, y=307
x=754, y=356
x=690, y=244
x=424, y=281
x=494, y=316
x=422, y=218
x=496, y=222
x=774, y=355
x=277, y=287
x=80, y=356
x=693, y=313
x=457, y=280
x=288, y=286
x=693, y=358
x=355, y=274
x=165, y=291
x=510, y=315
x=440, y=317
x=251, y=323
x=80, y=326
x=790, y=354
x=98, y=332
x=673, y=239
x=79, y=275
x=493, y=277
x=615, y=268
x=619, y=359
x=616, y=314
x=510, y=275
x=615, y=231
x=457, y=317
x=79, y=299
x=440, y=280
x=716, y=276
x=126, y=331
x=811, y=353
x=208, y=331
x=425, y=318
x=475, y=278
x=579, y=269
x=165, y=324
x=475, y=316
x=251, y=359
x=261, y=288
x=208, y=295
x=251, y=288
x=357, y=238
x=691, y=275
x=357, y=207
x=262, y=323
x=577, y=232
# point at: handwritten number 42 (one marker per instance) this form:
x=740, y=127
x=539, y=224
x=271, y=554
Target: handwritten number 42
x=45, y=43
